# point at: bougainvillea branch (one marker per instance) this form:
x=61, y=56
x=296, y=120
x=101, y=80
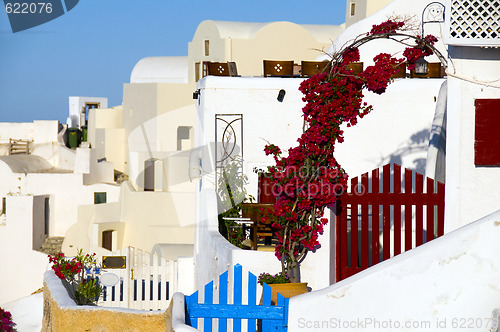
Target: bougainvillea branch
x=309, y=178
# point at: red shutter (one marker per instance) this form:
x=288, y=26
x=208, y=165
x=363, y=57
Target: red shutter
x=487, y=132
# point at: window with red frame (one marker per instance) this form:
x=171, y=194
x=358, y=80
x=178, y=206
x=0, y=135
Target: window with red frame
x=487, y=132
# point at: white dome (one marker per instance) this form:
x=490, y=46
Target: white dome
x=164, y=69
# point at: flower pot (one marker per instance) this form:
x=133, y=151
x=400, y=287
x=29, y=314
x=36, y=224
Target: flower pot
x=287, y=290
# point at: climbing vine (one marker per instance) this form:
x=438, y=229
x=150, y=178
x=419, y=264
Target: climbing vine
x=309, y=178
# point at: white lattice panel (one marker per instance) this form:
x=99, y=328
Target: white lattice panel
x=473, y=22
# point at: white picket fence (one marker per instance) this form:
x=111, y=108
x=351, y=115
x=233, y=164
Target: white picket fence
x=147, y=283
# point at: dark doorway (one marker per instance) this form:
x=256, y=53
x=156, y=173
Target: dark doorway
x=107, y=240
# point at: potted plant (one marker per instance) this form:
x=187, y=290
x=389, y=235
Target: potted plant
x=83, y=290
x=308, y=179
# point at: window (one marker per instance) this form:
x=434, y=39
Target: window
x=47, y=215
x=85, y=111
x=207, y=48
x=487, y=135
x=353, y=8
x=197, y=71
x=99, y=198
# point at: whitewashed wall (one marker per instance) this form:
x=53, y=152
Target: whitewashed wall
x=66, y=191
x=448, y=284
x=471, y=192
x=22, y=268
x=265, y=119
x=397, y=130
x=15, y=130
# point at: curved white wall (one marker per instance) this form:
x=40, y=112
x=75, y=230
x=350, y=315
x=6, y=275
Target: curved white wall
x=444, y=285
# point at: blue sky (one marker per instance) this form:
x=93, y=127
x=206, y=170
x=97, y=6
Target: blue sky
x=92, y=49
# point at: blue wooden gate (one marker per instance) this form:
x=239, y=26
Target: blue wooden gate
x=274, y=318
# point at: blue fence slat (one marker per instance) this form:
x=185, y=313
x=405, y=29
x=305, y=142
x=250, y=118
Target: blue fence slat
x=190, y=304
x=238, y=294
x=278, y=325
x=209, y=299
x=252, y=300
x=266, y=301
x=223, y=299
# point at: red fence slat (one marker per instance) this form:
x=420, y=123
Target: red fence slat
x=365, y=253
x=354, y=226
x=430, y=211
x=408, y=210
x=397, y=210
x=440, y=209
x=419, y=209
x=386, y=226
x=375, y=218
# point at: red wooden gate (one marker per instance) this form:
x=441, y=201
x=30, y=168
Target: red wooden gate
x=385, y=218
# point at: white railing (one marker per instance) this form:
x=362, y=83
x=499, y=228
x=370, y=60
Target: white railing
x=147, y=283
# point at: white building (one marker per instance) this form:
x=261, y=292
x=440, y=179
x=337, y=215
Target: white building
x=41, y=191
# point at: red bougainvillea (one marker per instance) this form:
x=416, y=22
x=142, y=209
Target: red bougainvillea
x=308, y=179
x=6, y=322
x=65, y=268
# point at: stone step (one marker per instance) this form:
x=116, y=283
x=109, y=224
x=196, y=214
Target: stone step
x=52, y=245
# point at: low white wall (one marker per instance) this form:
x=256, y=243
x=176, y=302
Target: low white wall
x=45, y=131
x=448, y=284
x=16, y=130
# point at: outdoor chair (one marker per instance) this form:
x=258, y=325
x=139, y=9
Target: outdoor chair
x=310, y=68
x=278, y=68
x=221, y=68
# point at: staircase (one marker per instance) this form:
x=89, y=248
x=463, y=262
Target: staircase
x=52, y=245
